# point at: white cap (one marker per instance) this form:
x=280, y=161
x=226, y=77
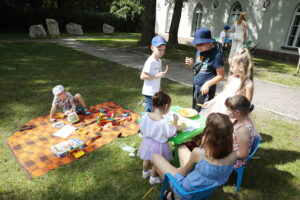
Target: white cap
x=58, y=89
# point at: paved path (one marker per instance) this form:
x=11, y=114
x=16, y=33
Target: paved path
x=273, y=97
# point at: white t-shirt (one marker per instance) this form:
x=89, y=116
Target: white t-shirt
x=152, y=67
x=222, y=37
x=158, y=130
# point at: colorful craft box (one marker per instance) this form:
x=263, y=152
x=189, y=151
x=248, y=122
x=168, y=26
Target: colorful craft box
x=62, y=149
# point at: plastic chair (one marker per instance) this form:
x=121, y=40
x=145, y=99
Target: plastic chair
x=240, y=170
x=203, y=193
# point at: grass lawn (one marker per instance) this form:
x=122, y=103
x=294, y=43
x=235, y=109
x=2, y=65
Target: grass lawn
x=274, y=70
x=28, y=72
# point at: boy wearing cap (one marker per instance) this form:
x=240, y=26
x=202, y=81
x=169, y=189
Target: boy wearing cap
x=152, y=71
x=65, y=101
x=208, y=68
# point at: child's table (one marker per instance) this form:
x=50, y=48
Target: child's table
x=183, y=137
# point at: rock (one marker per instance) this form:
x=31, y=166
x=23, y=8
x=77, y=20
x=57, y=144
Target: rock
x=108, y=29
x=74, y=29
x=52, y=27
x=36, y=31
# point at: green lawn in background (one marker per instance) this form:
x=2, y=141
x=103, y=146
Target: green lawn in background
x=274, y=70
x=29, y=71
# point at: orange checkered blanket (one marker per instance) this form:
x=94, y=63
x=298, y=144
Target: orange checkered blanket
x=32, y=147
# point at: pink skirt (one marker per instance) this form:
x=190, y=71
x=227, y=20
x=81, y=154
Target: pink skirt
x=149, y=147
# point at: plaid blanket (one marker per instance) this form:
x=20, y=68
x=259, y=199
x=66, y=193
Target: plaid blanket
x=31, y=145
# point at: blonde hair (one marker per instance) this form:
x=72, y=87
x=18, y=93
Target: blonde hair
x=242, y=19
x=243, y=59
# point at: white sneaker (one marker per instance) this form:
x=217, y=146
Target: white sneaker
x=154, y=180
x=146, y=174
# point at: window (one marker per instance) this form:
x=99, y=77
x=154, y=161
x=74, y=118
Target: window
x=169, y=17
x=197, y=18
x=234, y=13
x=293, y=39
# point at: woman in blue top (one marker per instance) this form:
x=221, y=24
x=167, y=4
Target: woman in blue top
x=210, y=165
x=208, y=67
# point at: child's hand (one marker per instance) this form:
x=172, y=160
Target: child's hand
x=52, y=120
x=161, y=74
x=189, y=61
x=175, y=117
x=204, y=88
x=206, y=104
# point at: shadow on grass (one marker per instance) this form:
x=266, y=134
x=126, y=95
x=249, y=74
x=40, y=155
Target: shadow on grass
x=262, y=176
x=265, y=138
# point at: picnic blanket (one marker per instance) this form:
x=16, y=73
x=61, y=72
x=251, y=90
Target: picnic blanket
x=32, y=147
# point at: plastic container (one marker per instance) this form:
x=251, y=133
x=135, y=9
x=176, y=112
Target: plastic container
x=62, y=149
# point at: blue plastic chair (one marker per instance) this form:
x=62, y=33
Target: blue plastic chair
x=198, y=194
x=240, y=170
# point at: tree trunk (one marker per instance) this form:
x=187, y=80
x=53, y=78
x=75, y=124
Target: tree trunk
x=173, y=32
x=148, y=31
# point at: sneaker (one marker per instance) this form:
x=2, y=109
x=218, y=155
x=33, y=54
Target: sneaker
x=146, y=174
x=154, y=180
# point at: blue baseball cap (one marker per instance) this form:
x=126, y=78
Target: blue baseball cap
x=227, y=27
x=201, y=36
x=158, y=40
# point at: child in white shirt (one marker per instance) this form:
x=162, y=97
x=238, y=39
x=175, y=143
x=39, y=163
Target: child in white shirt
x=152, y=71
x=156, y=131
x=65, y=101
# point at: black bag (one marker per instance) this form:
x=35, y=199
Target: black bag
x=197, y=66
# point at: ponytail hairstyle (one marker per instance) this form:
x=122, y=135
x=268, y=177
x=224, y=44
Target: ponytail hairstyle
x=240, y=103
x=218, y=139
x=242, y=59
x=160, y=100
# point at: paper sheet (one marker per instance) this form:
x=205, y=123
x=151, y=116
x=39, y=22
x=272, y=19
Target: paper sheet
x=190, y=124
x=65, y=131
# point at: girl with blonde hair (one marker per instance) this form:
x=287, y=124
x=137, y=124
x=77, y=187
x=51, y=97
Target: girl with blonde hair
x=240, y=82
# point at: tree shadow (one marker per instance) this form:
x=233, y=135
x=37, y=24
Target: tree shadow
x=262, y=176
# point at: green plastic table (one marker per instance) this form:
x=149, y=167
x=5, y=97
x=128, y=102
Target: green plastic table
x=183, y=137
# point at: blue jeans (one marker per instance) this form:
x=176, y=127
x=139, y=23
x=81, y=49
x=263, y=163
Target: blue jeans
x=148, y=104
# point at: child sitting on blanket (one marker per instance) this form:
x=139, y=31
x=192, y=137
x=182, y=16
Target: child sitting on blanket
x=156, y=131
x=65, y=101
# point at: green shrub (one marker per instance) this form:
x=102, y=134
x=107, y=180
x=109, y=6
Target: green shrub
x=19, y=19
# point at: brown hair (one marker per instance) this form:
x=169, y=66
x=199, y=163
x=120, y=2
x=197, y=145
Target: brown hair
x=242, y=19
x=243, y=59
x=218, y=139
x=160, y=100
x=240, y=103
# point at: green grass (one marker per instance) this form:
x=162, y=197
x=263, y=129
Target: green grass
x=269, y=69
x=28, y=72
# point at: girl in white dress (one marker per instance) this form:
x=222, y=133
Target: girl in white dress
x=240, y=34
x=239, y=83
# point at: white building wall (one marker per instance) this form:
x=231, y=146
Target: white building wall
x=269, y=26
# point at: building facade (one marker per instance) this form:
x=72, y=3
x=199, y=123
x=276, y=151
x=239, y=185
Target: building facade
x=273, y=24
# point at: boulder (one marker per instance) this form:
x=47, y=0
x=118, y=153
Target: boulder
x=108, y=29
x=36, y=31
x=74, y=29
x=52, y=27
